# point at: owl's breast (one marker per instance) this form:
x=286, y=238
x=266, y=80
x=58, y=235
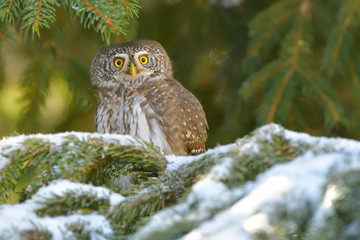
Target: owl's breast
x=132, y=115
x=141, y=121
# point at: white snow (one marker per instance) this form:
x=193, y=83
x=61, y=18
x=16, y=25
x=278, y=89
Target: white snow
x=12, y=143
x=222, y=170
x=59, y=138
x=61, y=187
x=290, y=185
x=174, y=162
x=331, y=195
x=22, y=216
x=301, y=180
x=247, y=209
x=93, y=223
x=256, y=222
x=209, y=193
x=226, y=3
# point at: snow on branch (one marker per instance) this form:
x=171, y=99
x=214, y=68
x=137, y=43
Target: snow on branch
x=272, y=184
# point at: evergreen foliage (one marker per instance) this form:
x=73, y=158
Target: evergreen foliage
x=249, y=62
x=40, y=162
x=54, y=54
x=267, y=61
x=67, y=181
x=292, y=72
x=106, y=17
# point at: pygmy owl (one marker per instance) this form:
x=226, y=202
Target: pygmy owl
x=139, y=96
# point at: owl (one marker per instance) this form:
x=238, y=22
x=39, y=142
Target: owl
x=139, y=96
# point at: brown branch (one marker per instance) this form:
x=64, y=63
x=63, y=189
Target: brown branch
x=36, y=24
x=322, y=94
x=34, y=155
x=254, y=50
x=28, y=161
x=305, y=10
x=276, y=101
x=93, y=8
x=344, y=27
x=10, y=5
x=126, y=6
x=255, y=84
x=97, y=164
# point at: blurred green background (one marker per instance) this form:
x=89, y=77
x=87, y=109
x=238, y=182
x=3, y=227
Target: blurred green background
x=248, y=62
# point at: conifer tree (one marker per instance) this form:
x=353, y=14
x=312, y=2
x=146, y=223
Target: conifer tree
x=51, y=38
x=306, y=60
x=106, y=17
x=249, y=62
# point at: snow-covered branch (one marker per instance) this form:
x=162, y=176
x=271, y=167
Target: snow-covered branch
x=271, y=184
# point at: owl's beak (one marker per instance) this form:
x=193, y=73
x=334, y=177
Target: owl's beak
x=132, y=69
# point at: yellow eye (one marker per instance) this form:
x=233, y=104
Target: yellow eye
x=118, y=62
x=143, y=60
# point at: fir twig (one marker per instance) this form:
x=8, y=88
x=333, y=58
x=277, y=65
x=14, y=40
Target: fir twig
x=346, y=17
x=39, y=14
x=92, y=164
x=10, y=10
x=283, y=76
x=36, y=85
x=279, y=93
x=100, y=14
x=330, y=103
x=106, y=17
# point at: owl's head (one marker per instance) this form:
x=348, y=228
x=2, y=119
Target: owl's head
x=129, y=61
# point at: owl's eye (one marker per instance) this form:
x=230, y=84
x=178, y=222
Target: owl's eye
x=118, y=62
x=143, y=60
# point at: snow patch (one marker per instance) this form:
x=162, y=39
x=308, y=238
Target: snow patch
x=61, y=187
x=22, y=216
x=174, y=162
x=302, y=178
x=245, y=209
x=10, y=144
x=222, y=170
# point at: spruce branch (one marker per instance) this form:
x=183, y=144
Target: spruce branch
x=325, y=93
x=181, y=198
x=10, y=10
x=279, y=94
x=99, y=14
x=294, y=46
x=77, y=77
x=105, y=17
x=282, y=77
x=36, y=85
x=341, y=36
x=253, y=84
x=92, y=160
x=266, y=25
x=39, y=14
x=36, y=232
x=71, y=202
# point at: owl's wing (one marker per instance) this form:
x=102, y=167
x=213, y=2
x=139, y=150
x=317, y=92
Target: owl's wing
x=193, y=115
x=181, y=114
